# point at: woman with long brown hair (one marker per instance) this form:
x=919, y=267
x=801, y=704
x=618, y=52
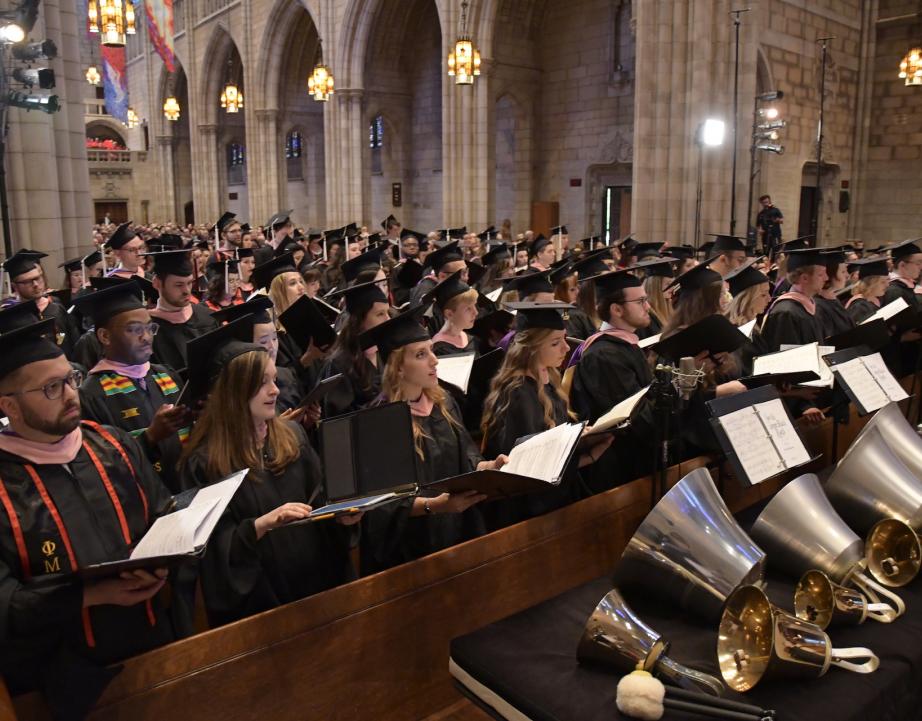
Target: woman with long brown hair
x=873, y=280
x=255, y=561
x=429, y=522
x=525, y=398
x=223, y=284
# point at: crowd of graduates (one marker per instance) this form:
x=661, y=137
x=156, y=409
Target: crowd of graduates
x=166, y=359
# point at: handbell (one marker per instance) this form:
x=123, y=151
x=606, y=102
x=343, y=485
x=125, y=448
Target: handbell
x=616, y=638
x=801, y=531
x=757, y=641
x=872, y=482
x=818, y=599
x=899, y=434
x=690, y=550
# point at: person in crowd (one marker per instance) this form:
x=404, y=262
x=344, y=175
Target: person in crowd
x=873, y=279
x=728, y=253
x=792, y=317
x=457, y=302
x=833, y=315
x=542, y=254
x=127, y=247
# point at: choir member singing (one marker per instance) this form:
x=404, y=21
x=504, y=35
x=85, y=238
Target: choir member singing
x=872, y=285
x=792, y=318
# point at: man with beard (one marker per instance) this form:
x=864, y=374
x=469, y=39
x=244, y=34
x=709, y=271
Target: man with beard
x=179, y=320
x=127, y=247
x=123, y=389
x=230, y=233
x=71, y=495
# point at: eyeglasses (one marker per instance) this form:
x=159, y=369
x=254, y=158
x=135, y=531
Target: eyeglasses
x=30, y=281
x=54, y=389
x=139, y=329
x=643, y=301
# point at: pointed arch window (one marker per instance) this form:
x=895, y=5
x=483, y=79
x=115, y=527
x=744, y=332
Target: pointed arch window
x=294, y=148
x=236, y=164
x=376, y=142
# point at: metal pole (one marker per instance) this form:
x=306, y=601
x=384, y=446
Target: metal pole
x=4, y=202
x=819, y=146
x=750, y=223
x=736, y=94
x=698, y=195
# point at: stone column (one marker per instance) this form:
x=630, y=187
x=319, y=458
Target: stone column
x=343, y=131
x=206, y=183
x=165, y=203
x=264, y=183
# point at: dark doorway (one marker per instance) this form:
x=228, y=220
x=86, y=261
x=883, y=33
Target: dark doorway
x=189, y=213
x=117, y=211
x=616, y=219
x=807, y=207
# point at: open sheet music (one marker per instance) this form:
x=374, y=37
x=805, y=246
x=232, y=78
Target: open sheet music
x=456, y=369
x=619, y=414
x=545, y=455
x=889, y=310
x=495, y=294
x=797, y=358
x=869, y=382
x=747, y=328
x=648, y=341
x=763, y=439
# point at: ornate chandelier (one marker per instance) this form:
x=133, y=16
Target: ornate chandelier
x=464, y=60
x=112, y=20
x=92, y=75
x=133, y=119
x=231, y=96
x=321, y=84
x=911, y=67
x=171, y=108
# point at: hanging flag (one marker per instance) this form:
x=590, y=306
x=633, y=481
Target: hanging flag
x=115, y=82
x=160, y=28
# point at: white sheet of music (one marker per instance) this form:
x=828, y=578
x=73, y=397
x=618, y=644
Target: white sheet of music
x=188, y=530
x=888, y=311
x=782, y=432
x=862, y=384
x=650, y=340
x=827, y=379
x=620, y=413
x=495, y=294
x=543, y=455
x=789, y=360
x=752, y=445
x=456, y=370
x=746, y=328
x=878, y=369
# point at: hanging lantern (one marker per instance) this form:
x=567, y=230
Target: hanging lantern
x=92, y=75
x=911, y=67
x=231, y=98
x=171, y=108
x=133, y=120
x=321, y=83
x=93, y=16
x=464, y=60
x=114, y=22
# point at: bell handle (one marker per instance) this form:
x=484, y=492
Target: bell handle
x=688, y=678
x=871, y=589
x=869, y=666
x=881, y=612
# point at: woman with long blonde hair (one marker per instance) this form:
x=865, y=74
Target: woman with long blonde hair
x=525, y=398
x=458, y=303
x=873, y=280
x=430, y=522
x=255, y=561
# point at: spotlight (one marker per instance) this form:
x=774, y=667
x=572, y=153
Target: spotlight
x=711, y=132
x=45, y=103
x=44, y=50
x=11, y=33
x=773, y=125
x=770, y=113
x=27, y=14
x=771, y=148
x=43, y=77
x=768, y=97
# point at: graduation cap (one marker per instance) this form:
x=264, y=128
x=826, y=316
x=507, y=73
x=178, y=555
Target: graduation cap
x=369, y=259
x=17, y=316
x=899, y=250
x=279, y=219
x=706, y=248
x=409, y=273
x=28, y=344
x=539, y=244
x=560, y=271
x=289, y=246
x=647, y=250
x=696, y=278
x=359, y=298
x=728, y=243
x=209, y=353
x=475, y=271
x=242, y=253
x=804, y=257
x=832, y=256
x=540, y=315
x=592, y=263
x=224, y=267
x=497, y=253
x=264, y=273
x=224, y=222
x=388, y=220
x=420, y=237
x=245, y=228
x=172, y=262
x=103, y=305
x=796, y=244
x=626, y=243
x=746, y=276
x=72, y=265
x=560, y=230
x=304, y=322
x=529, y=283
x=614, y=280
x=449, y=253
x=258, y=306
x=487, y=235
x=682, y=252
x=397, y=332
x=868, y=267
x=450, y=233
x=22, y=261
x=166, y=241
x=122, y=235
x=446, y=290
x=658, y=267
x=498, y=320
x=147, y=288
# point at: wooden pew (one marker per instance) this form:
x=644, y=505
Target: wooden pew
x=378, y=647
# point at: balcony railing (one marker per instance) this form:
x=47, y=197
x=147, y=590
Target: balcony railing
x=108, y=156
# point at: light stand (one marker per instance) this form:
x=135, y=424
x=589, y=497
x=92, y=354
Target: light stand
x=819, y=145
x=753, y=147
x=710, y=133
x=736, y=94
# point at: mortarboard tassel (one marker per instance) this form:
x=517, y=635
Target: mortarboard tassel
x=226, y=279
x=102, y=252
x=82, y=275
x=324, y=247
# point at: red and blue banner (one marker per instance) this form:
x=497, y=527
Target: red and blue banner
x=115, y=82
x=160, y=28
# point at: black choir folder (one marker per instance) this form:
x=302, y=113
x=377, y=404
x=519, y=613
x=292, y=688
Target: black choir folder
x=714, y=334
x=178, y=536
x=305, y=322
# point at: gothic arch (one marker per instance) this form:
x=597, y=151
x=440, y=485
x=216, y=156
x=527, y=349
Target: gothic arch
x=293, y=21
x=220, y=45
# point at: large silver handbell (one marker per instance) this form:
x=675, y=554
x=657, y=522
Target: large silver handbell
x=690, y=550
x=801, y=531
x=898, y=434
x=872, y=482
x=616, y=638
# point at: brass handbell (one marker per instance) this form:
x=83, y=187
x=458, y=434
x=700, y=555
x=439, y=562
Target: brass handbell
x=616, y=638
x=800, y=531
x=820, y=600
x=757, y=641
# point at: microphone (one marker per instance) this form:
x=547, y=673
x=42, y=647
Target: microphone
x=686, y=377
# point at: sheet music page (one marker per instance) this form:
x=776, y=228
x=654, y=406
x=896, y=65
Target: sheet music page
x=495, y=294
x=751, y=443
x=888, y=311
x=787, y=441
x=542, y=456
x=856, y=376
x=788, y=360
x=647, y=342
x=620, y=413
x=879, y=371
x=746, y=328
x=827, y=379
x=456, y=370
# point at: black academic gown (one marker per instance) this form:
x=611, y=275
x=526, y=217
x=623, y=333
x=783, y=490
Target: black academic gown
x=788, y=323
x=290, y=389
x=390, y=536
x=87, y=350
x=833, y=316
x=902, y=358
x=609, y=371
x=860, y=309
x=579, y=324
x=441, y=348
x=289, y=356
x=64, y=326
x=241, y=575
x=44, y=632
x=523, y=415
x=116, y=400
x=351, y=394
x=172, y=338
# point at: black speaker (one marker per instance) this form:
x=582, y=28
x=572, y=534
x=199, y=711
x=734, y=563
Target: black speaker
x=844, y=201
